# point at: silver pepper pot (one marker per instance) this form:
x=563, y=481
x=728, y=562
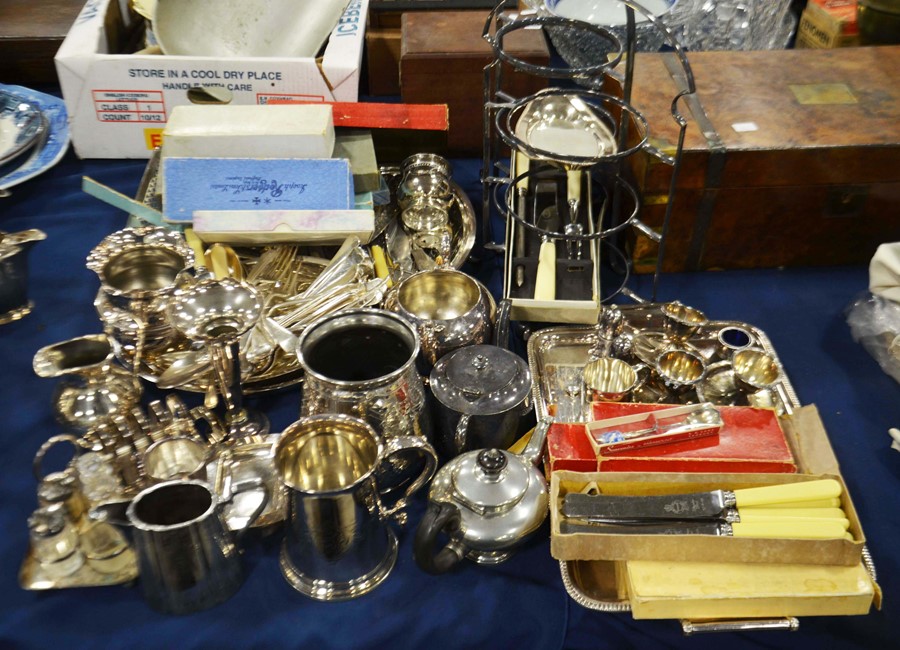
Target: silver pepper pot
x=487, y=502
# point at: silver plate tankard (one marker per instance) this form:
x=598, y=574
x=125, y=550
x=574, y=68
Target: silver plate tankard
x=362, y=363
x=338, y=544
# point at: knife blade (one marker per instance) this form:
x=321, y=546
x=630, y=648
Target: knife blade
x=523, y=163
x=698, y=505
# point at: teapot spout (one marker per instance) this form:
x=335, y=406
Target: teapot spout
x=534, y=450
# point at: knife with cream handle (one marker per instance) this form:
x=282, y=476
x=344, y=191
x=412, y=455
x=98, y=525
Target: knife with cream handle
x=816, y=529
x=523, y=162
x=700, y=505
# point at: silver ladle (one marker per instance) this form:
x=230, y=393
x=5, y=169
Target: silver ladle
x=562, y=126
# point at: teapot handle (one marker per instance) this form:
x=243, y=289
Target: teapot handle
x=501, y=329
x=438, y=517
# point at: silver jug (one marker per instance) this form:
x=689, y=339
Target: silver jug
x=93, y=389
x=14, y=247
x=188, y=558
x=338, y=544
x=362, y=363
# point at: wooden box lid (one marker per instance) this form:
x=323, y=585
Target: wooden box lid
x=784, y=118
x=445, y=42
x=30, y=34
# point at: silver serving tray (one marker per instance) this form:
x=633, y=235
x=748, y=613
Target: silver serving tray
x=569, y=346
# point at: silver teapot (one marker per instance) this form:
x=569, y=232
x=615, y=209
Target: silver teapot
x=482, y=394
x=487, y=501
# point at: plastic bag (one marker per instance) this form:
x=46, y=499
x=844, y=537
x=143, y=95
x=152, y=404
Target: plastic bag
x=875, y=323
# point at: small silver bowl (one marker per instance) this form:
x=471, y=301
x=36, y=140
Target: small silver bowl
x=682, y=322
x=215, y=311
x=680, y=370
x=755, y=370
x=609, y=380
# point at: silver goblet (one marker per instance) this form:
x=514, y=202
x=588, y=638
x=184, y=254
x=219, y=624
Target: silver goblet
x=218, y=313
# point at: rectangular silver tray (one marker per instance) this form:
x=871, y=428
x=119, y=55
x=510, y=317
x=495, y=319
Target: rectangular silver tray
x=593, y=584
x=569, y=346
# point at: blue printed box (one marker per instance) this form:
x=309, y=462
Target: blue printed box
x=229, y=184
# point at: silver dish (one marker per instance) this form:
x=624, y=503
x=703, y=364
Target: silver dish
x=21, y=124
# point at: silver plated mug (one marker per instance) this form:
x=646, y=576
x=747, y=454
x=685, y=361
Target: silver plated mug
x=188, y=558
x=338, y=543
x=362, y=363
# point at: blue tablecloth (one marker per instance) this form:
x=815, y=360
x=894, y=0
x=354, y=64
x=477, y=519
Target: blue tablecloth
x=519, y=604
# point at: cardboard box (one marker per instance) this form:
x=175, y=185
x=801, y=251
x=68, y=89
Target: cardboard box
x=815, y=458
x=827, y=24
x=577, y=281
x=118, y=102
x=750, y=441
x=236, y=184
x=729, y=590
x=688, y=548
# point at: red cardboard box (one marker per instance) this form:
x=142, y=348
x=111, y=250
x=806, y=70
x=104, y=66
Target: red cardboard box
x=751, y=441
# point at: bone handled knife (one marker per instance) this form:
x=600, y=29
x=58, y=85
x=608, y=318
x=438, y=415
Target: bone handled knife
x=796, y=529
x=698, y=505
x=523, y=162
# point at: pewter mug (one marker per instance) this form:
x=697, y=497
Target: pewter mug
x=14, y=247
x=362, y=363
x=338, y=544
x=188, y=559
x=448, y=308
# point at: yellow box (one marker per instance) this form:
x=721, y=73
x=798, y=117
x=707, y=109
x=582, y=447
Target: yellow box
x=708, y=590
x=827, y=24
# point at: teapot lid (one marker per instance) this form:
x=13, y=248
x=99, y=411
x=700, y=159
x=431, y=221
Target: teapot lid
x=489, y=480
x=481, y=380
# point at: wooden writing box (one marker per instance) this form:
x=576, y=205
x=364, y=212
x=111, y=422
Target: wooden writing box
x=791, y=158
x=30, y=34
x=442, y=60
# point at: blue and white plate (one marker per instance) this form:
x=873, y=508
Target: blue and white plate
x=49, y=144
